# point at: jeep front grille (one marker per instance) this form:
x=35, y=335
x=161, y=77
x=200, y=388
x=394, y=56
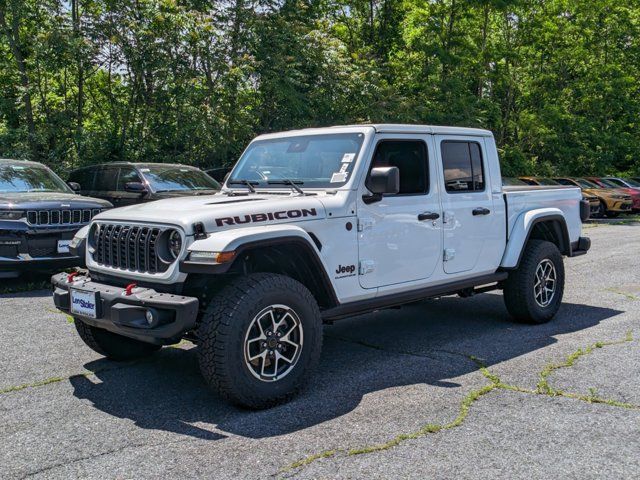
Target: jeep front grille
x=61, y=216
x=128, y=247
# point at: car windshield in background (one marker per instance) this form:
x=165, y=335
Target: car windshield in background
x=175, y=179
x=586, y=183
x=610, y=184
x=547, y=181
x=30, y=178
x=315, y=161
x=512, y=182
x=632, y=182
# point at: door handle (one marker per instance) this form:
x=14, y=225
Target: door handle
x=481, y=211
x=428, y=216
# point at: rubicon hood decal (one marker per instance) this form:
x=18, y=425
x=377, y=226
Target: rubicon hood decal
x=219, y=212
x=263, y=217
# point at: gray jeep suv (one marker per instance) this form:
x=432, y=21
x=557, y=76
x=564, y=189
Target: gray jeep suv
x=39, y=215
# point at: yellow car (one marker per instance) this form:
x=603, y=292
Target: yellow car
x=612, y=202
x=594, y=201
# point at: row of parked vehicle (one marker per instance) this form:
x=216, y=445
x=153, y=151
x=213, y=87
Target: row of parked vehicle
x=40, y=213
x=607, y=196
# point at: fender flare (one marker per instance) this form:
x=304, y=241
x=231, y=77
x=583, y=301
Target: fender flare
x=243, y=239
x=522, y=230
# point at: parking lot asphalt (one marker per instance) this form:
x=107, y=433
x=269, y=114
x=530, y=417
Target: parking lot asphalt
x=440, y=389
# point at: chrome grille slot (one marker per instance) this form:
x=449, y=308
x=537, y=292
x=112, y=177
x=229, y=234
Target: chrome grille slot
x=129, y=247
x=61, y=217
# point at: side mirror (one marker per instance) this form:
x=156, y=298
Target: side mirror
x=135, y=187
x=382, y=180
x=75, y=186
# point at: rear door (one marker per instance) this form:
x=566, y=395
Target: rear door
x=105, y=184
x=470, y=225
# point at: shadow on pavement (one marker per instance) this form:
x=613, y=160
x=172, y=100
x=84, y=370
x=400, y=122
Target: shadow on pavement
x=424, y=343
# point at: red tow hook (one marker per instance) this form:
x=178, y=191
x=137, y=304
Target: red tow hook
x=128, y=290
x=71, y=276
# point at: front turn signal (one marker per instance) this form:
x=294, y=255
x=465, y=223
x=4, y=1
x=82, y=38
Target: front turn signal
x=211, y=257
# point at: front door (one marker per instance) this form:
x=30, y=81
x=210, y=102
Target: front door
x=469, y=219
x=399, y=237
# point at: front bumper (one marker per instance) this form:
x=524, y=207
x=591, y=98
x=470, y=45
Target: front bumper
x=117, y=312
x=27, y=263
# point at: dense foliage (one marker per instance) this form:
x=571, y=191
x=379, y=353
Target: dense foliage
x=86, y=81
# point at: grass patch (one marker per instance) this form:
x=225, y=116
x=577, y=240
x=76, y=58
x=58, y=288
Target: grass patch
x=545, y=388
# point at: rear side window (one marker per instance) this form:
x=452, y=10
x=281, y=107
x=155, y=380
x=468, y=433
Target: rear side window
x=411, y=159
x=127, y=174
x=83, y=177
x=106, y=179
x=462, y=165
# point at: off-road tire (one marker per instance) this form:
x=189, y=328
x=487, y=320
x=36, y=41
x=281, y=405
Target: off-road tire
x=519, y=294
x=113, y=346
x=222, y=331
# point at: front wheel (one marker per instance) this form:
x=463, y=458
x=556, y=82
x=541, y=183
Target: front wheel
x=259, y=340
x=533, y=292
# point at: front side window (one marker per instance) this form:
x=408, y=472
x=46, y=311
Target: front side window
x=171, y=178
x=315, y=161
x=462, y=165
x=30, y=178
x=410, y=157
x=126, y=175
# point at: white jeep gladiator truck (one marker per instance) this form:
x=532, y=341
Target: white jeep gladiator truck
x=313, y=226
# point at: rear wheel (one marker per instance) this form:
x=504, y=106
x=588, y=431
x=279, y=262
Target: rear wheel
x=259, y=340
x=113, y=346
x=533, y=292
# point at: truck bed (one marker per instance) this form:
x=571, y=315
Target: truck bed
x=520, y=199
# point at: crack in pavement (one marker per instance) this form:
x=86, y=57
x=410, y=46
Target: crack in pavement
x=543, y=388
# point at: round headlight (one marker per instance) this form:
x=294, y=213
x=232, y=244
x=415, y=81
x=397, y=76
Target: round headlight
x=175, y=243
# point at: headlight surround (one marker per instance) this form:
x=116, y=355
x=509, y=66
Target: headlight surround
x=174, y=243
x=11, y=214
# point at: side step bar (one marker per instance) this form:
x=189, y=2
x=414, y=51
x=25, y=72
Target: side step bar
x=396, y=299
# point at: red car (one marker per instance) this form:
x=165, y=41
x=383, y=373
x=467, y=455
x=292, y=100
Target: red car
x=634, y=193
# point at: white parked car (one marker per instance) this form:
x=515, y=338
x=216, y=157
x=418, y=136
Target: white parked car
x=313, y=226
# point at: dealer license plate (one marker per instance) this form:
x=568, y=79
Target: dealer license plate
x=83, y=303
x=63, y=246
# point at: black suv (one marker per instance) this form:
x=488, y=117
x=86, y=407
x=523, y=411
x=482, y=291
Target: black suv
x=124, y=183
x=39, y=215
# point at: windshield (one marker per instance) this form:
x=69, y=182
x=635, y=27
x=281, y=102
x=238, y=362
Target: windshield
x=610, y=184
x=320, y=161
x=547, y=181
x=510, y=181
x=30, y=178
x=632, y=182
x=172, y=179
x=586, y=184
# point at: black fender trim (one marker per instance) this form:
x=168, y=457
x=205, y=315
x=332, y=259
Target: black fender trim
x=187, y=266
x=564, y=231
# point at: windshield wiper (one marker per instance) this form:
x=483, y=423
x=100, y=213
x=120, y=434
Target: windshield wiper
x=291, y=183
x=247, y=183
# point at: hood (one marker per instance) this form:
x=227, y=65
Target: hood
x=184, y=193
x=50, y=200
x=220, y=212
